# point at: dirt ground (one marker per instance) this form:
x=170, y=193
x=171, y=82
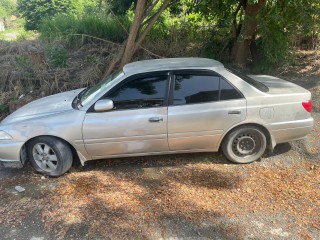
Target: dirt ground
x=188, y=196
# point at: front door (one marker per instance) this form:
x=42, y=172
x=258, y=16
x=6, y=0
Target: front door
x=138, y=122
x=203, y=107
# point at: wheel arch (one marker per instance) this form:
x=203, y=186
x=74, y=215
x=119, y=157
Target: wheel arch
x=23, y=152
x=270, y=141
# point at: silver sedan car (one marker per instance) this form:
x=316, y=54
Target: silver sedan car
x=156, y=107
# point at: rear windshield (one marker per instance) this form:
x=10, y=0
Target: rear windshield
x=258, y=85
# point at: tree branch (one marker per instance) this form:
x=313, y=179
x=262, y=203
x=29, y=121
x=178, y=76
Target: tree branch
x=155, y=17
x=150, y=8
x=235, y=24
x=103, y=40
x=116, y=17
x=151, y=53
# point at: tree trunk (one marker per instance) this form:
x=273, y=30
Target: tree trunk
x=134, y=31
x=241, y=48
x=141, y=25
x=241, y=51
x=124, y=54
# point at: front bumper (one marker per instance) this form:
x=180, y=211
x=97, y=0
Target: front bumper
x=10, y=154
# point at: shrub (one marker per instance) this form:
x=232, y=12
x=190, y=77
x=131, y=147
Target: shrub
x=56, y=56
x=4, y=109
x=70, y=28
x=35, y=10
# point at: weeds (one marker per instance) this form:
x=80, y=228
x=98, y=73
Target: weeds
x=4, y=109
x=56, y=56
x=70, y=29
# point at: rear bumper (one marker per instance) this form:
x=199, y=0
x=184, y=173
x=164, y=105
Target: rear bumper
x=290, y=131
x=10, y=154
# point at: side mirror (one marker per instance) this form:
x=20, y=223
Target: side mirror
x=103, y=105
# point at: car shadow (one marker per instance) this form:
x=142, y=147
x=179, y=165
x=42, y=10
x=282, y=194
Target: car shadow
x=279, y=150
x=172, y=160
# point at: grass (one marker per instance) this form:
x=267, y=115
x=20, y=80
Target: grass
x=4, y=109
x=17, y=34
x=78, y=29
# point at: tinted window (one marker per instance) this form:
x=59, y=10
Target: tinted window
x=142, y=92
x=227, y=91
x=190, y=89
x=90, y=93
x=251, y=81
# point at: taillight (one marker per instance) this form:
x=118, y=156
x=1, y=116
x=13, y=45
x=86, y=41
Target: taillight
x=307, y=105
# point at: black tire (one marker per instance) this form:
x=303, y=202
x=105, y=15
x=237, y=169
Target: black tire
x=244, y=144
x=58, y=154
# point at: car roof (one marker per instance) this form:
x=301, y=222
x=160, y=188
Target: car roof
x=169, y=64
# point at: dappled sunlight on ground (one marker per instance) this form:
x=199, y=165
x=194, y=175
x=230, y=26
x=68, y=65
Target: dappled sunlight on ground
x=135, y=203
x=189, y=195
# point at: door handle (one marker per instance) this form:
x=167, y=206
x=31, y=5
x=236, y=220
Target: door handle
x=155, y=119
x=234, y=112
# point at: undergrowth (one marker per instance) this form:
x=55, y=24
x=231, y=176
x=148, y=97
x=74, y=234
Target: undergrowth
x=86, y=29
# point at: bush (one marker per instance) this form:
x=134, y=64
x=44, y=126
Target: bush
x=56, y=56
x=4, y=109
x=70, y=28
x=35, y=10
x=7, y=7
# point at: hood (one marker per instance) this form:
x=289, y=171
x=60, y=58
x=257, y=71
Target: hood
x=53, y=104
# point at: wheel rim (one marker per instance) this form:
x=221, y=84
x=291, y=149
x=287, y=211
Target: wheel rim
x=45, y=157
x=247, y=144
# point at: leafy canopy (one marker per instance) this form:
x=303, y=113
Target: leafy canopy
x=7, y=8
x=35, y=10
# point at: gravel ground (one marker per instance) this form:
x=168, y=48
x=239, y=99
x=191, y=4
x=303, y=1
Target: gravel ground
x=188, y=196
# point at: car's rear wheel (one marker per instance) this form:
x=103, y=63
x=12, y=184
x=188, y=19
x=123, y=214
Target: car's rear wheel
x=50, y=156
x=244, y=144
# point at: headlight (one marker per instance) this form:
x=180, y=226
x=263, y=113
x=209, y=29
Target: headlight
x=4, y=136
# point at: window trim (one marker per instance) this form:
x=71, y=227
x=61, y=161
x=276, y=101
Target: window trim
x=249, y=80
x=132, y=78
x=242, y=96
x=204, y=72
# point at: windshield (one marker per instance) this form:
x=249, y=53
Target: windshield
x=260, y=86
x=90, y=93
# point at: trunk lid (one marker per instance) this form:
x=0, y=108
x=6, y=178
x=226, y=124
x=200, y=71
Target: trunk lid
x=279, y=86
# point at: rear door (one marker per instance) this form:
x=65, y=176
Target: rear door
x=203, y=106
x=138, y=122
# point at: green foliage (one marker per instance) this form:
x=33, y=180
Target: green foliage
x=35, y=10
x=75, y=30
x=23, y=64
x=24, y=35
x=121, y=6
x=278, y=22
x=56, y=56
x=4, y=109
x=7, y=8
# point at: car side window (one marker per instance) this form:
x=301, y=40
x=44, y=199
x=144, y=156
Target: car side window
x=141, y=92
x=191, y=88
x=197, y=88
x=228, y=92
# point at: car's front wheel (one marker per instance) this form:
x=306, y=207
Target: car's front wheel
x=244, y=144
x=50, y=156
